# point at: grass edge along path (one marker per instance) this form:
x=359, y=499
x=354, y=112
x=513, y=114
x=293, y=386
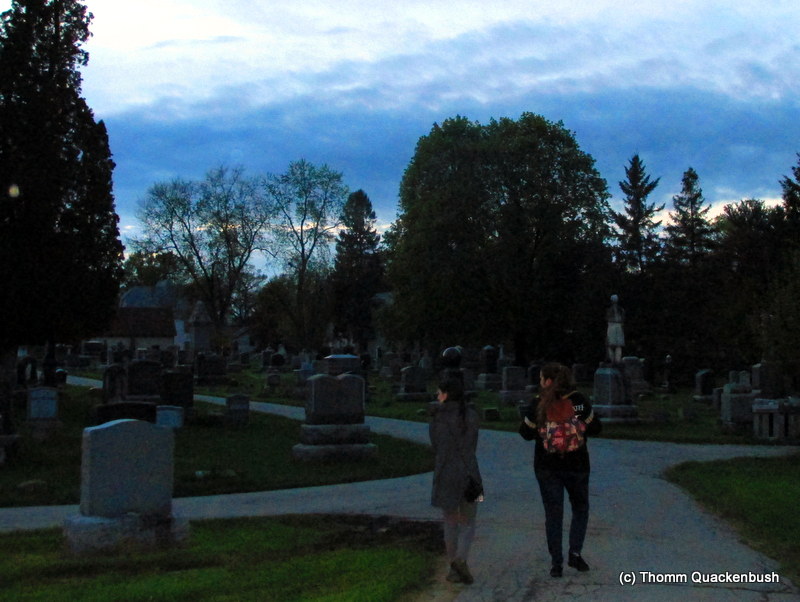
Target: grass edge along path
x=314, y=558
x=757, y=496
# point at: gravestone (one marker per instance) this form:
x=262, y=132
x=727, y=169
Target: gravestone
x=343, y=364
x=514, y=383
x=334, y=428
x=178, y=388
x=609, y=399
x=43, y=405
x=144, y=381
x=127, y=470
x=704, y=385
x=114, y=383
x=633, y=374
x=413, y=385
x=27, y=371
x=777, y=419
x=736, y=402
x=767, y=379
x=237, y=410
x=210, y=369
x=488, y=379
x=170, y=416
x=266, y=358
x=9, y=439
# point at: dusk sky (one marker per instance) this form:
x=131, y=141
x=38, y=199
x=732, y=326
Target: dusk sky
x=187, y=85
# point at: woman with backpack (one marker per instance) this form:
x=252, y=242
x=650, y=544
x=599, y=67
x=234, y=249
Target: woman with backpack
x=457, y=484
x=559, y=423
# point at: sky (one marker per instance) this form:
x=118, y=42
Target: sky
x=185, y=86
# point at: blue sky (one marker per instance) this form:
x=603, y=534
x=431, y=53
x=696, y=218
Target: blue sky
x=186, y=85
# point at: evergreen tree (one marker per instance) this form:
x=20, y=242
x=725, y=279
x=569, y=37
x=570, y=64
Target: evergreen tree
x=357, y=269
x=690, y=235
x=636, y=226
x=60, y=253
x=791, y=207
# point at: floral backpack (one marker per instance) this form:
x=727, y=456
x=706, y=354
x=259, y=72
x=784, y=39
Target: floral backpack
x=563, y=431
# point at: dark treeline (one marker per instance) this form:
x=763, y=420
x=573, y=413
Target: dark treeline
x=505, y=236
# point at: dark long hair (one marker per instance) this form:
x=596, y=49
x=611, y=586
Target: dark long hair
x=454, y=387
x=562, y=385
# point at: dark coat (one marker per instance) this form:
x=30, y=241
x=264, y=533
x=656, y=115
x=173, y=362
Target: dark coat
x=455, y=445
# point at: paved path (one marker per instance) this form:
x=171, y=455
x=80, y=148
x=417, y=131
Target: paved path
x=639, y=522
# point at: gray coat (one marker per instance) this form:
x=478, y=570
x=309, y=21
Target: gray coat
x=455, y=448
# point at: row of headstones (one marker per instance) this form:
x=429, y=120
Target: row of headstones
x=755, y=397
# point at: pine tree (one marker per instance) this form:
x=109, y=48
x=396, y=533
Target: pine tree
x=358, y=269
x=690, y=235
x=60, y=253
x=636, y=227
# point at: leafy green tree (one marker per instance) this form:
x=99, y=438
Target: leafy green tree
x=437, y=262
x=308, y=201
x=637, y=228
x=499, y=229
x=60, y=253
x=690, y=235
x=358, y=269
x=213, y=228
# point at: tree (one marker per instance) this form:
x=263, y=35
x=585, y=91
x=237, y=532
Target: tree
x=308, y=201
x=213, y=228
x=358, y=269
x=690, y=235
x=791, y=206
x=498, y=227
x=148, y=269
x=637, y=230
x=60, y=253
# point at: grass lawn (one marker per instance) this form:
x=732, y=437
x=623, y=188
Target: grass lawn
x=288, y=558
x=254, y=458
x=758, y=496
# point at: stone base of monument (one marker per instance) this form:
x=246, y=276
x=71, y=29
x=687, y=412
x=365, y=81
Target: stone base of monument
x=333, y=452
x=617, y=414
x=333, y=434
x=98, y=534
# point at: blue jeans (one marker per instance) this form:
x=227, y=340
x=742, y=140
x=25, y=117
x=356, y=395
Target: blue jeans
x=552, y=484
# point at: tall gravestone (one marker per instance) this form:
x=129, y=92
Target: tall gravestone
x=127, y=471
x=144, y=381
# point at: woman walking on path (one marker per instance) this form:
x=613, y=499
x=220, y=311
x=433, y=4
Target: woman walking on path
x=559, y=423
x=454, y=437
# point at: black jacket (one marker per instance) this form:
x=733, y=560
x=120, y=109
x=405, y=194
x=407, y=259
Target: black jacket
x=576, y=461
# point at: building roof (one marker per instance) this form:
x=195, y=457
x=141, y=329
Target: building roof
x=143, y=322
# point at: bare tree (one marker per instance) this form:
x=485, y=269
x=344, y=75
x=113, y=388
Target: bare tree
x=308, y=201
x=213, y=227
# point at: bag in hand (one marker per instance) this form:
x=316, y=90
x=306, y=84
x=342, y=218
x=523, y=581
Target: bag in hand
x=474, y=490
